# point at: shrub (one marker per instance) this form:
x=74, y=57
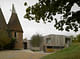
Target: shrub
x=4, y=39
x=11, y=45
x=78, y=37
x=36, y=40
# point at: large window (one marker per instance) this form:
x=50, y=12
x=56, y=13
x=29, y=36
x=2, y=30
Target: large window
x=48, y=40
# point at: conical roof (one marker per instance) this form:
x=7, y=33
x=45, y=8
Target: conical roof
x=14, y=24
x=2, y=21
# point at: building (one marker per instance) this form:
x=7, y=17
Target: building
x=26, y=44
x=13, y=28
x=53, y=42
x=15, y=31
x=3, y=24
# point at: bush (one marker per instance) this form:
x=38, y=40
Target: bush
x=78, y=37
x=36, y=40
x=11, y=45
x=75, y=41
x=4, y=39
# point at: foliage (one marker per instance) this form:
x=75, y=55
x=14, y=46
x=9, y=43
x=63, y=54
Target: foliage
x=78, y=37
x=46, y=10
x=25, y=3
x=72, y=52
x=25, y=39
x=4, y=39
x=11, y=45
x=74, y=39
x=36, y=40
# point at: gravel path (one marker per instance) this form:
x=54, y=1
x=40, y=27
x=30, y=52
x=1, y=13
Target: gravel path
x=21, y=54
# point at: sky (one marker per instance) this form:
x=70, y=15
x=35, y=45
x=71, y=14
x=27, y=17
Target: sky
x=31, y=27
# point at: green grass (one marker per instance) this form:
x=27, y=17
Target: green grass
x=73, y=52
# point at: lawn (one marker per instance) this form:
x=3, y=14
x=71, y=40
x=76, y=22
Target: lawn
x=73, y=52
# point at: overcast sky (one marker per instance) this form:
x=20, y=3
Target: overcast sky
x=30, y=27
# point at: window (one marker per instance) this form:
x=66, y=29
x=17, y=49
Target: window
x=49, y=47
x=48, y=40
x=15, y=34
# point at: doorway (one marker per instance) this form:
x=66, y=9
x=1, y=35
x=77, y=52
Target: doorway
x=25, y=45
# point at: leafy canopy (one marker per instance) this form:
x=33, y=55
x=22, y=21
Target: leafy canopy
x=46, y=9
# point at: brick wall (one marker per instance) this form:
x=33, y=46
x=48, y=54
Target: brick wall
x=19, y=40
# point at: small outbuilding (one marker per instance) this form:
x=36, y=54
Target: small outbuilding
x=26, y=44
x=54, y=42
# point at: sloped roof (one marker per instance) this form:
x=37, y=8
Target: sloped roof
x=14, y=23
x=2, y=21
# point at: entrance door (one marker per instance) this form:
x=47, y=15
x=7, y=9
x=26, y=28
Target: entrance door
x=25, y=45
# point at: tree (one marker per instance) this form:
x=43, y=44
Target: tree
x=36, y=40
x=46, y=10
x=72, y=37
x=4, y=39
x=78, y=37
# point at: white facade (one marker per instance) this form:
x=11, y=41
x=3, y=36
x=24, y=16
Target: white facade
x=56, y=41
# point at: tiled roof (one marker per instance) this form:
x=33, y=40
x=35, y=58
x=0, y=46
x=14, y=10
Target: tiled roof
x=2, y=21
x=14, y=23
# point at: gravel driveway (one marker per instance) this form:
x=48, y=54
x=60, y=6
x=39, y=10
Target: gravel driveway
x=21, y=54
